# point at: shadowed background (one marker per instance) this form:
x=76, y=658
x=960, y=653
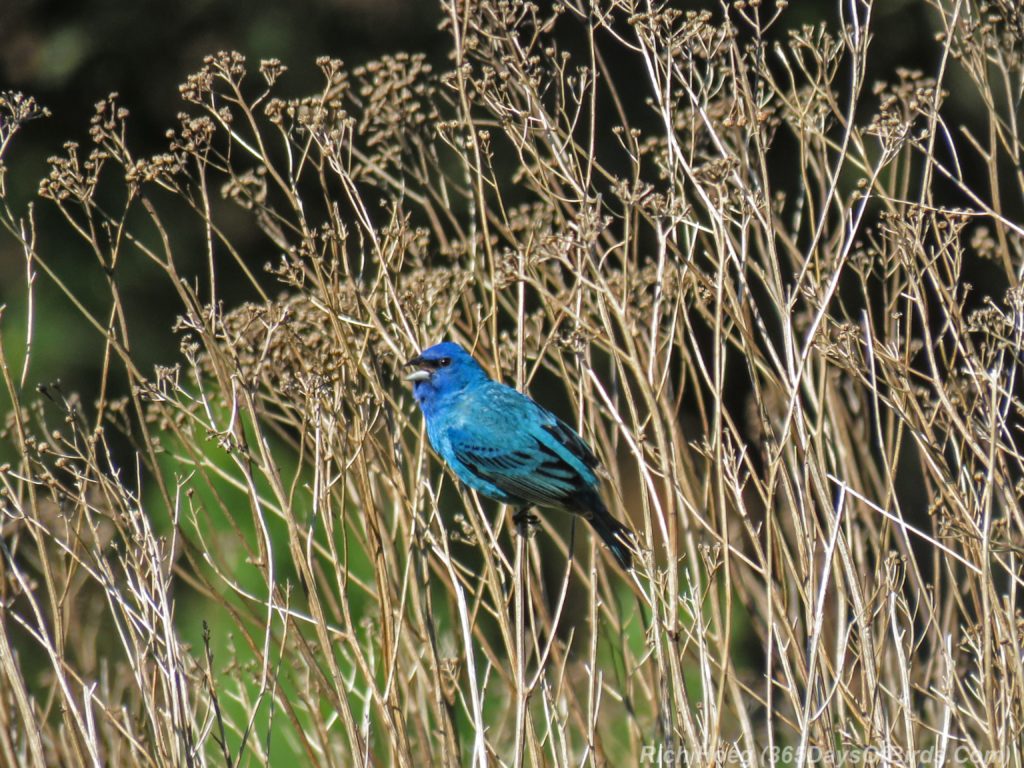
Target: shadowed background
x=70, y=55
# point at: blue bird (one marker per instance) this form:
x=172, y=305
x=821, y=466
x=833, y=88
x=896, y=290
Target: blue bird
x=504, y=446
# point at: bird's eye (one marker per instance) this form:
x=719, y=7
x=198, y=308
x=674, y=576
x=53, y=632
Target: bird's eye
x=444, y=362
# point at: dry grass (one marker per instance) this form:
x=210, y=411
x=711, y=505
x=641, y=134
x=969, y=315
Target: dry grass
x=805, y=412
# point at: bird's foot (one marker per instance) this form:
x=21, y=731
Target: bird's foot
x=525, y=522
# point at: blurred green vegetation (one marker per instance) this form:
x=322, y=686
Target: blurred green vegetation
x=70, y=55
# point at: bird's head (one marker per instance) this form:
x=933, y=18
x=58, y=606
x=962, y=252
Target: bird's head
x=443, y=369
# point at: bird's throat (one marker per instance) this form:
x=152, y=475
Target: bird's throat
x=431, y=399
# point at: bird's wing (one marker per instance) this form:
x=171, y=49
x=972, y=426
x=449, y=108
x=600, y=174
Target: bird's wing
x=570, y=440
x=506, y=439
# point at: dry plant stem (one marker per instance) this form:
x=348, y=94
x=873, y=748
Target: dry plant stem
x=519, y=576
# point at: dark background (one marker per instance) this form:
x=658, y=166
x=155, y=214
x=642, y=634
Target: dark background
x=70, y=55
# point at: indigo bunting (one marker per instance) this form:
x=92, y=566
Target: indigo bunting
x=504, y=446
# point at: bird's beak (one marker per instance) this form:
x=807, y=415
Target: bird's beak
x=419, y=374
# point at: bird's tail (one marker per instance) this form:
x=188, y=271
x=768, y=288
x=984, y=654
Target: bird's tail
x=619, y=538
